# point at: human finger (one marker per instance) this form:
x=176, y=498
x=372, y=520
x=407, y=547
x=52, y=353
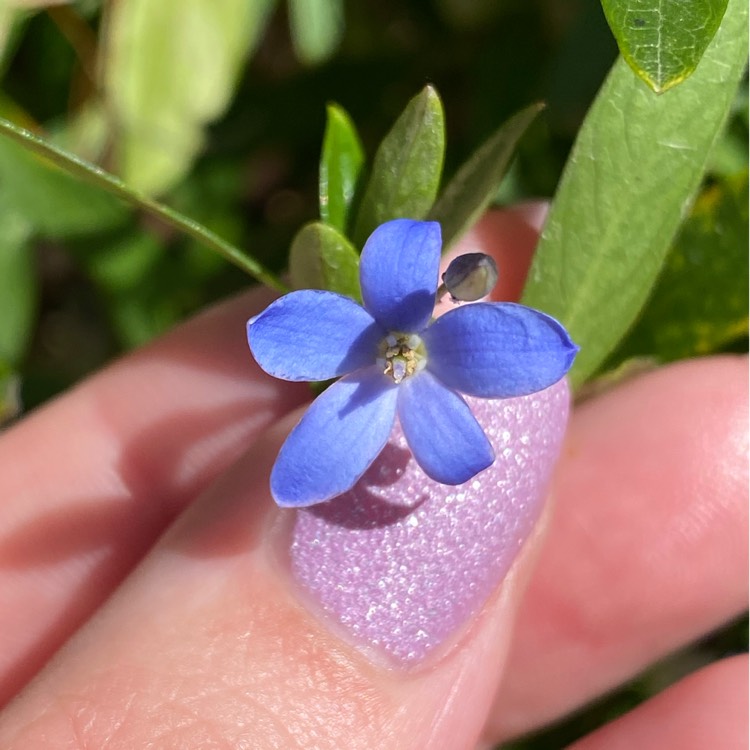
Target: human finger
x=708, y=709
x=647, y=548
x=90, y=481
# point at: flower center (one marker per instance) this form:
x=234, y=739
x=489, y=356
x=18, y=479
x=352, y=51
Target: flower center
x=401, y=355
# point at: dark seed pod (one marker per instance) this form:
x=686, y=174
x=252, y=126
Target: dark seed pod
x=470, y=277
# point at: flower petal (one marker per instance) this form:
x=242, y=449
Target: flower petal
x=498, y=350
x=336, y=440
x=313, y=335
x=399, y=273
x=443, y=434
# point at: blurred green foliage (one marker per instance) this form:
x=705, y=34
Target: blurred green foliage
x=218, y=108
x=700, y=302
x=254, y=178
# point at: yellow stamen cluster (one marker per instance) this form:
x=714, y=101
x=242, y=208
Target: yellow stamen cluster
x=401, y=355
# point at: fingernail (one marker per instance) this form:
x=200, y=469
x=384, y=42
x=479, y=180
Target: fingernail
x=402, y=563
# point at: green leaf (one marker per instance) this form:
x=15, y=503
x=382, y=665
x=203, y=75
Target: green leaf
x=475, y=184
x=340, y=166
x=18, y=284
x=407, y=167
x=54, y=203
x=636, y=164
x=107, y=182
x=700, y=302
x=663, y=40
x=171, y=67
x=322, y=258
x=317, y=27
x=730, y=155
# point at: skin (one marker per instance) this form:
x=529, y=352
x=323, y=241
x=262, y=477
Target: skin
x=143, y=601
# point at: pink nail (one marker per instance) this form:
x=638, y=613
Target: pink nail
x=403, y=563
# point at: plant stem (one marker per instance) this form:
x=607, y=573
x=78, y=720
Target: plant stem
x=90, y=172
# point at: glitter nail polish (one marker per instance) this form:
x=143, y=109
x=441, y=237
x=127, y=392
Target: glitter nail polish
x=401, y=562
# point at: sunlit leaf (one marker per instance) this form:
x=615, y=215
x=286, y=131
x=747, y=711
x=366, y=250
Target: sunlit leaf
x=316, y=27
x=170, y=68
x=407, y=167
x=730, y=155
x=636, y=164
x=322, y=258
x=700, y=301
x=340, y=166
x=475, y=184
x=663, y=40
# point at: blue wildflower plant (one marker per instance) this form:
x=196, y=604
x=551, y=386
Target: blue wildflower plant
x=393, y=359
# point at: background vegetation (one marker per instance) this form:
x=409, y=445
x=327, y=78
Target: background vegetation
x=218, y=109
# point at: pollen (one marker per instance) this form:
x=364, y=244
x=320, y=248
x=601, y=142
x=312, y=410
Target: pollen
x=402, y=355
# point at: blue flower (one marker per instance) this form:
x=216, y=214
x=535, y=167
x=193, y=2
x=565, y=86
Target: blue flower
x=395, y=359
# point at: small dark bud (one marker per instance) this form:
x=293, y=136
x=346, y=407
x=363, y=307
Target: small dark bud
x=470, y=277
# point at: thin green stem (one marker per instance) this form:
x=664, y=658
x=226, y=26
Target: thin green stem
x=90, y=172
x=441, y=292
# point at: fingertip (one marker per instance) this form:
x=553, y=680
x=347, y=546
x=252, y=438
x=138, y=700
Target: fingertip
x=533, y=212
x=706, y=709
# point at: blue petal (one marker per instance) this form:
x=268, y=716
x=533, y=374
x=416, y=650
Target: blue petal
x=445, y=438
x=313, y=335
x=399, y=273
x=336, y=440
x=498, y=350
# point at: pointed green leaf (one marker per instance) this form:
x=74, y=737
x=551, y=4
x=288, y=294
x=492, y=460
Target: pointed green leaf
x=475, y=184
x=170, y=68
x=322, y=258
x=407, y=167
x=663, y=40
x=636, y=164
x=340, y=166
x=700, y=301
x=316, y=27
x=80, y=168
